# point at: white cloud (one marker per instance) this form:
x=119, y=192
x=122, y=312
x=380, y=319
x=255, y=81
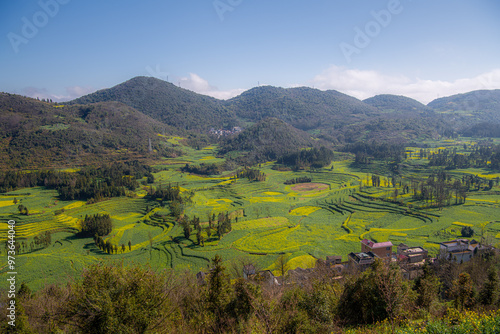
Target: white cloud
x=364, y=84
x=71, y=93
x=199, y=85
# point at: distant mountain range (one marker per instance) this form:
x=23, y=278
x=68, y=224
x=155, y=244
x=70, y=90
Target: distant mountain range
x=166, y=103
x=123, y=119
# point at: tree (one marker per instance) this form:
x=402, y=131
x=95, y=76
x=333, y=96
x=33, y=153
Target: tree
x=463, y=291
x=467, y=232
x=22, y=209
x=282, y=265
x=186, y=227
x=123, y=248
x=138, y=304
x=395, y=292
x=361, y=301
x=240, y=305
x=427, y=287
x=129, y=245
x=218, y=292
x=24, y=291
x=489, y=293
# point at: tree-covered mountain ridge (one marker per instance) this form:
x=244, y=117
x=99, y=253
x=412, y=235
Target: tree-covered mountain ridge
x=37, y=134
x=304, y=108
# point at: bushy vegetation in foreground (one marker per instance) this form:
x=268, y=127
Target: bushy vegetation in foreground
x=114, y=298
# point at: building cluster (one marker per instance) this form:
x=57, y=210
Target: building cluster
x=410, y=259
x=223, y=132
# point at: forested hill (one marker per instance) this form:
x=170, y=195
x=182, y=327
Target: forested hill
x=479, y=100
x=167, y=103
x=34, y=133
x=397, y=104
x=267, y=140
x=476, y=106
x=304, y=108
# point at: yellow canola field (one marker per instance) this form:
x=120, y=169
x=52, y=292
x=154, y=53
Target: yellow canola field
x=74, y=205
x=304, y=210
x=6, y=203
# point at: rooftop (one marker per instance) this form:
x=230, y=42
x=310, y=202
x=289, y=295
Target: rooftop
x=372, y=244
x=415, y=250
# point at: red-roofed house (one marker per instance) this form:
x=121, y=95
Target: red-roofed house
x=381, y=249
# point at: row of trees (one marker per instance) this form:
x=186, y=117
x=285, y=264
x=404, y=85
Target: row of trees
x=302, y=179
x=42, y=240
x=217, y=225
x=108, y=247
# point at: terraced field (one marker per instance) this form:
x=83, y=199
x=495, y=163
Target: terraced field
x=328, y=216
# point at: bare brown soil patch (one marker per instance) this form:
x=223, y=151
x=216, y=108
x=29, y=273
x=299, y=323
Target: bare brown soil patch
x=309, y=187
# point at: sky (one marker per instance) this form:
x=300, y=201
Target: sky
x=423, y=49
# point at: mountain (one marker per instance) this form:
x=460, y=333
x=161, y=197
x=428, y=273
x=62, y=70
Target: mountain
x=396, y=104
x=267, y=140
x=475, y=106
x=166, y=103
x=35, y=133
x=304, y=108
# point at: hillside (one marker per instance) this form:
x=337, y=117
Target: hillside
x=36, y=133
x=476, y=106
x=395, y=103
x=304, y=108
x=166, y=103
x=267, y=140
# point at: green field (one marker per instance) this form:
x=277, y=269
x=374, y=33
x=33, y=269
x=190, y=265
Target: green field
x=307, y=221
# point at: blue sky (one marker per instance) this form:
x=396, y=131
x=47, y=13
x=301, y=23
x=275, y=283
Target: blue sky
x=423, y=49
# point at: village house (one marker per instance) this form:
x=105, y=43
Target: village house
x=381, y=249
x=335, y=263
x=248, y=271
x=411, y=260
x=411, y=254
x=459, y=250
x=265, y=276
x=361, y=261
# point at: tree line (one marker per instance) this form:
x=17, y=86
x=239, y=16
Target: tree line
x=481, y=157
x=90, y=183
x=314, y=158
x=252, y=174
x=98, y=224
x=366, y=152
